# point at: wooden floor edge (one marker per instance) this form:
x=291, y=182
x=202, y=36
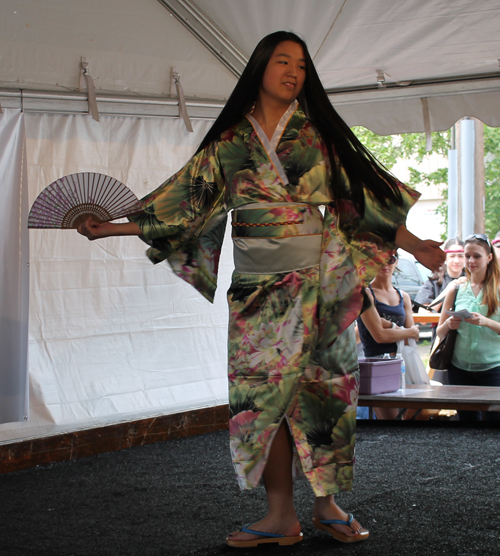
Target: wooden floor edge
x=17, y=456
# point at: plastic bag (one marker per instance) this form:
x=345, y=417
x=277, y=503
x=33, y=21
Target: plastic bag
x=414, y=367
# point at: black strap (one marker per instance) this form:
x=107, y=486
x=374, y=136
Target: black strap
x=455, y=297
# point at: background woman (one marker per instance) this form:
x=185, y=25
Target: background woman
x=438, y=281
x=388, y=304
x=298, y=281
x=476, y=358
x=388, y=321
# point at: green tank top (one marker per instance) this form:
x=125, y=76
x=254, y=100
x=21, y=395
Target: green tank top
x=477, y=347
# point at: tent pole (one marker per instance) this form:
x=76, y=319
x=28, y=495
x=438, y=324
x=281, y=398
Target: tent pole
x=467, y=175
x=453, y=188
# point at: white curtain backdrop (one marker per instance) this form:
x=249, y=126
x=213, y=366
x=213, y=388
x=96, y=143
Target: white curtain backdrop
x=14, y=273
x=112, y=336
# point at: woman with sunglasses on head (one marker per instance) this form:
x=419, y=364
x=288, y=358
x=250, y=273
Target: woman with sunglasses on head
x=389, y=320
x=476, y=357
x=276, y=153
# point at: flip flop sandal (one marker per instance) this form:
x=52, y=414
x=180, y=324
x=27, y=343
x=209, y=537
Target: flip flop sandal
x=324, y=525
x=266, y=538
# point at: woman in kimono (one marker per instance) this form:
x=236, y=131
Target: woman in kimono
x=276, y=153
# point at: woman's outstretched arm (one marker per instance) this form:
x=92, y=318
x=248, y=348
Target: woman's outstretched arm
x=426, y=251
x=92, y=229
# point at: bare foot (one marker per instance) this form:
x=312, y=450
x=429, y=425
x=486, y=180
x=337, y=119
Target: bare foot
x=288, y=526
x=326, y=508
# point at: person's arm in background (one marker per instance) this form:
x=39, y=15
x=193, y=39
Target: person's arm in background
x=426, y=293
x=409, y=322
x=447, y=323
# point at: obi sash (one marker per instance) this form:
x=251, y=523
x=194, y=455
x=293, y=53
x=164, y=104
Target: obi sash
x=270, y=238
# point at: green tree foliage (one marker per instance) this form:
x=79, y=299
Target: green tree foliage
x=492, y=179
x=411, y=147
x=388, y=149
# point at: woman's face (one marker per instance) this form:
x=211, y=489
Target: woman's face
x=388, y=269
x=285, y=74
x=477, y=258
x=455, y=262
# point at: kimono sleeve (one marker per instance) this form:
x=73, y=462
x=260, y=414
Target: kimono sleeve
x=184, y=221
x=371, y=237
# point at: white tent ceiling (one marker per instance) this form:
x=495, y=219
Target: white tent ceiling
x=447, y=52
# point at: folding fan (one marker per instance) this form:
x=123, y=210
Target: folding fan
x=70, y=200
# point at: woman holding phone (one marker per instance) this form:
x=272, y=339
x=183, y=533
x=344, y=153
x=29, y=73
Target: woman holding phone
x=476, y=357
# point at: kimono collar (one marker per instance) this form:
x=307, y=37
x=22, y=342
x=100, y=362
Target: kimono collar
x=271, y=144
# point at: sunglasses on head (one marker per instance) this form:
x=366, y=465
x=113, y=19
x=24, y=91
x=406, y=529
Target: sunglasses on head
x=480, y=237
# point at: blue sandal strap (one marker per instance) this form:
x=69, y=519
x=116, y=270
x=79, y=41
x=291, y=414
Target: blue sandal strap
x=246, y=529
x=338, y=521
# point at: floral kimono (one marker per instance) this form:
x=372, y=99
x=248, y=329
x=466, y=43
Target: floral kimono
x=297, y=287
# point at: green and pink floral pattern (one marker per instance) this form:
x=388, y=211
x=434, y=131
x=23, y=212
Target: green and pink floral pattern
x=292, y=352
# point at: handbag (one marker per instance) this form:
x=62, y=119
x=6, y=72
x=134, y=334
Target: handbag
x=441, y=355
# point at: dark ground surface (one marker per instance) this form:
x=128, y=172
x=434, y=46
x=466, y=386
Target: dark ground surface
x=420, y=489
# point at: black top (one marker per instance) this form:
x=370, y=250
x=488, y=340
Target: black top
x=393, y=313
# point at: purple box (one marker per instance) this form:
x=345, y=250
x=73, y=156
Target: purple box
x=379, y=375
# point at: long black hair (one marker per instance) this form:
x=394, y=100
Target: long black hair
x=344, y=148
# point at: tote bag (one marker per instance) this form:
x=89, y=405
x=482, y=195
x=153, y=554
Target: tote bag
x=414, y=366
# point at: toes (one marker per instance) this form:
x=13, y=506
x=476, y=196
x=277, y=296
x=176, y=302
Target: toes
x=234, y=535
x=356, y=528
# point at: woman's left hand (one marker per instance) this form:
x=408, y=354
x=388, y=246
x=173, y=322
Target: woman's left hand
x=429, y=253
x=477, y=319
x=426, y=251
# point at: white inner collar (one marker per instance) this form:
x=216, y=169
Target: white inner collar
x=273, y=142
x=270, y=145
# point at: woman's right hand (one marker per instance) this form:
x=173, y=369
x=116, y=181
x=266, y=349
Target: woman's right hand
x=93, y=229
x=453, y=322
x=415, y=332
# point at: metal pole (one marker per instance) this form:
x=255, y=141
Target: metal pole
x=467, y=175
x=479, y=193
x=453, y=187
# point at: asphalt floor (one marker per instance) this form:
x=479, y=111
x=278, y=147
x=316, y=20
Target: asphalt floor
x=420, y=488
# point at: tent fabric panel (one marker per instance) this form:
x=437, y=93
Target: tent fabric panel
x=411, y=40
x=349, y=41
x=129, y=46
x=245, y=23
x=14, y=273
x=406, y=116
x=112, y=335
